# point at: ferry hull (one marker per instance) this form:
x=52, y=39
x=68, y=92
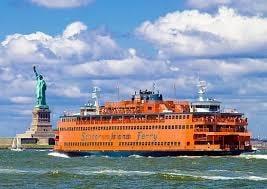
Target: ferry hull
x=155, y=153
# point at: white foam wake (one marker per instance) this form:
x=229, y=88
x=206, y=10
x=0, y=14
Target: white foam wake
x=253, y=156
x=135, y=156
x=209, y=177
x=57, y=154
x=117, y=172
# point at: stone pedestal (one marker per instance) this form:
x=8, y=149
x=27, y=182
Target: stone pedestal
x=41, y=131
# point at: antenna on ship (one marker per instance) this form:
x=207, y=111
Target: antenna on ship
x=96, y=96
x=202, y=87
x=153, y=87
x=174, y=90
x=118, y=92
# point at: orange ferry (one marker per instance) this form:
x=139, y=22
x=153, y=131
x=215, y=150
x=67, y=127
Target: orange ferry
x=147, y=125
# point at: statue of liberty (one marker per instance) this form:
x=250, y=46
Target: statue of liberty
x=40, y=90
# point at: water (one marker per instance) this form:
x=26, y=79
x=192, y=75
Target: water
x=46, y=169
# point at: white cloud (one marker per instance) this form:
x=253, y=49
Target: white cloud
x=69, y=91
x=74, y=28
x=21, y=99
x=195, y=34
x=203, y=4
x=75, y=41
x=132, y=65
x=245, y=6
x=61, y=3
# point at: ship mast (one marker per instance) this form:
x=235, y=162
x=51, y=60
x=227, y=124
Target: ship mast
x=95, y=97
x=202, y=87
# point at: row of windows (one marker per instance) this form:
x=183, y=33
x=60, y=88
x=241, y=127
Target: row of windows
x=150, y=143
x=124, y=143
x=107, y=119
x=88, y=143
x=177, y=117
x=127, y=127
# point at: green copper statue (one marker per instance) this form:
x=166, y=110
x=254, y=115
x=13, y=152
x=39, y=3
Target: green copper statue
x=40, y=90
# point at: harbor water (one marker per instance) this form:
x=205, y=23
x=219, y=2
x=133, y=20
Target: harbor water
x=48, y=169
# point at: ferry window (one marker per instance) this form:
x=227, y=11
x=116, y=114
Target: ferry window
x=183, y=127
x=187, y=126
x=146, y=127
x=169, y=127
x=191, y=126
x=176, y=126
x=188, y=143
x=183, y=116
x=172, y=126
x=187, y=116
x=175, y=143
x=149, y=127
x=143, y=143
x=180, y=116
x=179, y=143
x=177, y=117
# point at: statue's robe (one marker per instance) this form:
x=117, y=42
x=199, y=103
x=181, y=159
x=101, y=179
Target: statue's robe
x=40, y=92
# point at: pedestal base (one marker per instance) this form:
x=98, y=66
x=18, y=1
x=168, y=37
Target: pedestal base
x=40, y=132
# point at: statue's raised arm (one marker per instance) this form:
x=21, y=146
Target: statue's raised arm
x=34, y=70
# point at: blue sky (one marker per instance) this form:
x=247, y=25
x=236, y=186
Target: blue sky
x=82, y=43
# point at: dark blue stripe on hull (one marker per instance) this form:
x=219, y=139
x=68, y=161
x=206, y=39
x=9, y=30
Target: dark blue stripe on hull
x=157, y=153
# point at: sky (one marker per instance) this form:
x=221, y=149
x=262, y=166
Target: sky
x=79, y=44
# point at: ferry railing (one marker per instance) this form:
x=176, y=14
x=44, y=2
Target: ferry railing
x=220, y=121
x=220, y=130
x=201, y=139
x=114, y=121
x=232, y=147
x=201, y=129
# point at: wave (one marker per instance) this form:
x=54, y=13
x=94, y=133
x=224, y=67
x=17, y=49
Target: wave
x=18, y=171
x=208, y=177
x=170, y=175
x=43, y=150
x=10, y=171
x=135, y=156
x=57, y=154
x=117, y=172
x=253, y=156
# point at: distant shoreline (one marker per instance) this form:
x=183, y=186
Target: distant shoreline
x=6, y=143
